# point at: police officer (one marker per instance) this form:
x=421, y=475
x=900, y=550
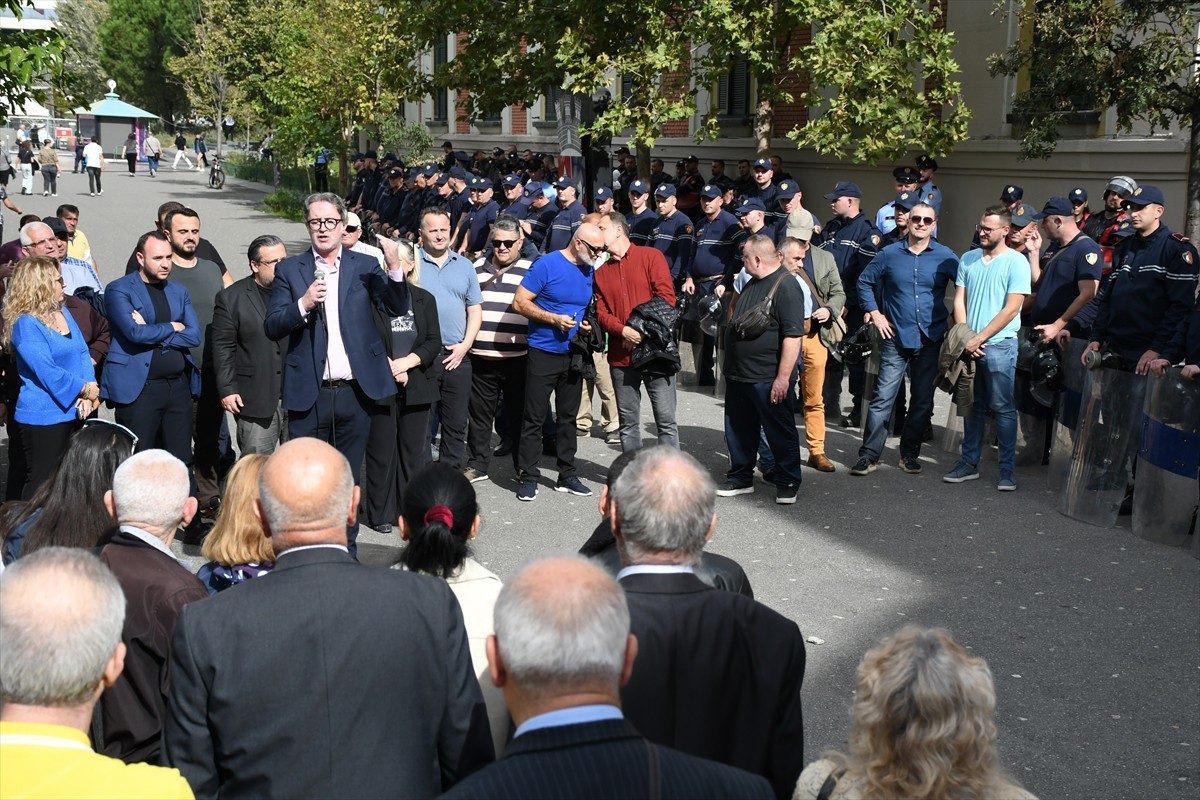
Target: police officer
x=513, y=191
x=542, y=212
x=688, y=187
x=1065, y=277
x=719, y=240
x=1152, y=289
x=641, y=218
x=901, y=206
x=477, y=225
x=927, y=190
x=906, y=181
x=853, y=241
x=674, y=236
x=764, y=189
x=602, y=200
x=1104, y=227
x=794, y=220
x=571, y=211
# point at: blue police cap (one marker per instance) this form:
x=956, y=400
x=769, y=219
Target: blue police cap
x=786, y=190
x=565, y=182
x=1012, y=193
x=844, y=189
x=639, y=187
x=1056, y=207
x=510, y=181
x=763, y=163
x=751, y=204
x=1144, y=196
x=1077, y=195
x=666, y=190
x=601, y=194
x=458, y=172
x=711, y=191
x=907, y=200
x=906, y=174
x=1023, y=214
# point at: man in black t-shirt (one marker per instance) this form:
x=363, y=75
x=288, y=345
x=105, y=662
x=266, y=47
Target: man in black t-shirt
x=760, y=374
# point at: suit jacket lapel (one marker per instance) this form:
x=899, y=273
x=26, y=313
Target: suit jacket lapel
x=254, y=294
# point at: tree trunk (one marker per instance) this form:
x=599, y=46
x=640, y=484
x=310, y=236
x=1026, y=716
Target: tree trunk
x=764, y=126
x=643, y=162
x=1191, y=225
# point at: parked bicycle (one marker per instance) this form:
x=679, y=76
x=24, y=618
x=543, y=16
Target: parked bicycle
x=216, y=174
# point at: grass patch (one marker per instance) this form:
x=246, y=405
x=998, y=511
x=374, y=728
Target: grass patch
x=284, y=203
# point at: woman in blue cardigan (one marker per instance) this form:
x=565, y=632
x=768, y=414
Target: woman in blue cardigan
x=58, y=381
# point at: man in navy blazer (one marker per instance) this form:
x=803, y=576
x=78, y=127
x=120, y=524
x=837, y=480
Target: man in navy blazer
x=150, y=376
x=335, y=367
x=561, y=651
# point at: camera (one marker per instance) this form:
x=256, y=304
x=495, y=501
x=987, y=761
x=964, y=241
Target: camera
x=1098, y=359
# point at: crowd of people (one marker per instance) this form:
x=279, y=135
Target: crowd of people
x=365, y=376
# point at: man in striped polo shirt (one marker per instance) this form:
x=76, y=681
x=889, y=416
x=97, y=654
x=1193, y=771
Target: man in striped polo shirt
x=499, y=351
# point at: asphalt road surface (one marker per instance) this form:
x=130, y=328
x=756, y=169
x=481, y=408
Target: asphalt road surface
x=1093, y=635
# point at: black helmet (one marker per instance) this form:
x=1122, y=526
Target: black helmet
x=1045, y=376
x=683, y=302
x=1027, y=349
x=857, y=348
x=710, y=314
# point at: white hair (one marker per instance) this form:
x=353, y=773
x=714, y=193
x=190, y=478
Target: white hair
x=559, y=639
x=151, y=488
x=665, y=503
x=61, y=615
x=27, y=230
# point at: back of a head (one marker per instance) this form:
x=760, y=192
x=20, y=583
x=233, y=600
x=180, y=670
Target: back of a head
x=562, y=624
x=151, y=488
x=439, y=510
x=665, y=502
x=305, y=491
x=61, y=615
x=237, y=537
x=923, y=719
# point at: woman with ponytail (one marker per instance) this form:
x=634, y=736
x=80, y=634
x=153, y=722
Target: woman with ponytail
x=439, y=517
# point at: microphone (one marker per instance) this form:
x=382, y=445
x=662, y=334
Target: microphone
x=319, y=274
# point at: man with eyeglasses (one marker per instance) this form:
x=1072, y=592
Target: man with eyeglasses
x=335, y=368
x=452, y=281
x=498, y=354
x=631, y=276
x=553, y=296
x=909, y=279
x=248, y=365
x=853, y=241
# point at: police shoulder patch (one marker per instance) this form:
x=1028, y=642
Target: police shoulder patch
x=1091, y=258
x=874, y=240
x=687, y=228
x=1187, y=256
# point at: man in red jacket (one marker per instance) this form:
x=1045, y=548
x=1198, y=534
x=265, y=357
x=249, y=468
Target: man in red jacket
x=633, y=275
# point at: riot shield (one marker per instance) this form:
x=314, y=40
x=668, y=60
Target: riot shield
x=1110, y=421
x=1166, y=490
x=1034, y=419
x=1066, y=413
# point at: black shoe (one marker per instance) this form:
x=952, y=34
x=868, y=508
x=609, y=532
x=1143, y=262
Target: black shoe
x=382, y=527
x=864, y=466
x=927, y=436
x=504, y=449
x=853, y=419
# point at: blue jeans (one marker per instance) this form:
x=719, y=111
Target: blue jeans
x=922, y=364
x=994, y=381
x=748, y=408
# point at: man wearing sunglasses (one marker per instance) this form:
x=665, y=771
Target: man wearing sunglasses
x=553, y=296
x=910, y=278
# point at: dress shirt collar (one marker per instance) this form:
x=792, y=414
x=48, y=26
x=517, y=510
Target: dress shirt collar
x=291, y=550
x=655, y=569
x=569, y=716
x=330, y=266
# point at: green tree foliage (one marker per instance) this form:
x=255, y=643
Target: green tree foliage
x=410, y=141
x=79, y=21
x=882, y=73
x=1137, y=57
x=30, y=62
x=137, y=42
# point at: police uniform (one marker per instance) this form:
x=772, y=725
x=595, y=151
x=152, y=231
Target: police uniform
x=1151, y=292
x=675, y=238
x=565, y=222
x=718, y=244
x=885, y=217
x=479, y=221
x=641, y=225
x=769, y=196
x=928, y=191
x=905, y=201
x=1063, y=267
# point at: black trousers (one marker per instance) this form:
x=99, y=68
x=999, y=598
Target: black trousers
x=342, y=417
x=208, y=415
x=455, y=397
x=397, y=447
x=491, y=377
x=45, y=446
x=161, y=416
x=546, y=373
x=18, y=466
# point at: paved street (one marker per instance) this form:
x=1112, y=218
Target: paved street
x=1093, y=635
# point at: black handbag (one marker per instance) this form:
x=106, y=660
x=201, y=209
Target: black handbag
x=754, y=322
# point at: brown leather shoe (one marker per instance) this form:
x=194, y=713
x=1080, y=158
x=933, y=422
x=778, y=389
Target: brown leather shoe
x=819, y=462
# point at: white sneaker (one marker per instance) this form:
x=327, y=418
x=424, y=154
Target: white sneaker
x=91, y=194
x=45, y=194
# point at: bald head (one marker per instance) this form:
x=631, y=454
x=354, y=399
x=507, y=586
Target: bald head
x=586, y=244
x=664, y=507
x=307, y=495
x=562, y=626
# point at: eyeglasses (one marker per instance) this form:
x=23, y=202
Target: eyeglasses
x=921, y=220
x=987, y=231
x=39, y=242
x=322, y=224
x=94, y=421
x=270, y=263
x=504, y=244
x=594, y=249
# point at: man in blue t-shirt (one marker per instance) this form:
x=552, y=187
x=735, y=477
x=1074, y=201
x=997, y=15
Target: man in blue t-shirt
x=990, y=289
x=554, y=295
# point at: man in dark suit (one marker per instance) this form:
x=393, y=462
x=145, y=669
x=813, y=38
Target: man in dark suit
x=249, y=365
x=336, y=366
x=150, y=375
x=718, y=674
x=561, y=652
x=149, y=501
x=296, y=685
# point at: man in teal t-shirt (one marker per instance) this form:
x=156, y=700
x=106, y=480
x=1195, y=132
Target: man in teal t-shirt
x=992, y=283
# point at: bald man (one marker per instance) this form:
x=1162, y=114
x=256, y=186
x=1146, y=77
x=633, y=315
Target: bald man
x=329, y=678
x=561, y=652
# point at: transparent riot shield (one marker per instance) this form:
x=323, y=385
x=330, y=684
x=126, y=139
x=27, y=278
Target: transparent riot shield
x=1166, y=489
x=1101, y=468
x=1066, y=415
x=1034, y=419
x=952, y=433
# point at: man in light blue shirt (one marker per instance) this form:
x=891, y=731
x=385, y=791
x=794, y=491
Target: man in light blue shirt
x=991, y=286
x=451, y=280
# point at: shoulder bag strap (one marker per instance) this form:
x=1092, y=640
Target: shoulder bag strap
x=811, y=287
x=829, y=785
